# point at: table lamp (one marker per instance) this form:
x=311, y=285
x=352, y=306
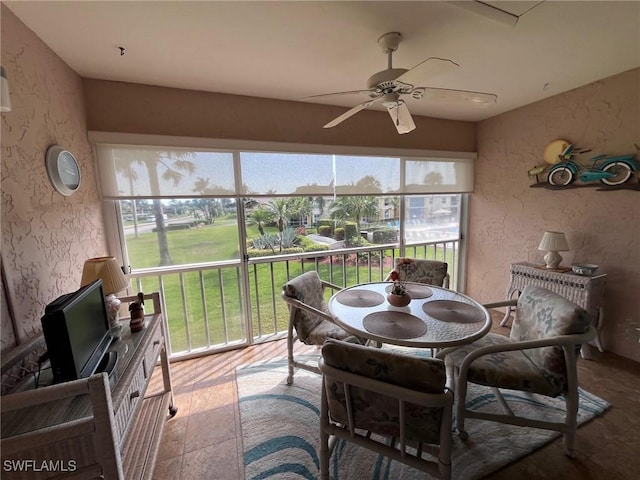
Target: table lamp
x=113, y=281
x=553, y=242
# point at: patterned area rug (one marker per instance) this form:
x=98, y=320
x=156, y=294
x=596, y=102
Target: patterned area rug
x=280, y=431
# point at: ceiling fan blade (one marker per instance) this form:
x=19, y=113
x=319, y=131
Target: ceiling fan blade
x=352, y=112
x=401, y=116
x=352, y=92
x=431, y=67
x=447, y=94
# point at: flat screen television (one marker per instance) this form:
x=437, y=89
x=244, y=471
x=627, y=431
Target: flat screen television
x=76, y=331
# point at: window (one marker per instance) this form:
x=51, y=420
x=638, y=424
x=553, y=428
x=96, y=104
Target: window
x=179, y=231
x=219, y=231
x=431, y=218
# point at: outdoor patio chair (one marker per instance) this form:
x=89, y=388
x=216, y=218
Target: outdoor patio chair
x=309, y=318
x=431, y=272
x=396, y=405
x=539, y=356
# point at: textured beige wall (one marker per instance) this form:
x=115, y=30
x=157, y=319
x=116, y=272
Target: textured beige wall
x=131, y=108
x=45, y=237
x=507, y=217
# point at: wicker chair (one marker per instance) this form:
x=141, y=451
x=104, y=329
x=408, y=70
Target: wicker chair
x=309, y=319
x=431, y=272
x=396, y=405
x=539, y=356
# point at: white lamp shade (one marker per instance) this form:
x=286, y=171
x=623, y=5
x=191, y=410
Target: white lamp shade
x=5, y=101
x=554, y=242
x=107, y=270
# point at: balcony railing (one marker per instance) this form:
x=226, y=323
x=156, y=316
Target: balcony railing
x=205, y=307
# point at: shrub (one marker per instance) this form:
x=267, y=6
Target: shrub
x=351, y=232
x=317, y=247
x=301, y=231
x=324, y=230
x=385, y=235
x=326, y=223
x=266, y=253
x=310, y=246
x=338, y=233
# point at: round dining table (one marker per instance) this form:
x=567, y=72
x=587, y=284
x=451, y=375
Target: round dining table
x=435, y=318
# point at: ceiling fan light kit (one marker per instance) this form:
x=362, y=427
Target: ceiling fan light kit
x=387, y=87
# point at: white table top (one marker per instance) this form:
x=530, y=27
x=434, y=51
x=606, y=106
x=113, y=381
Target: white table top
x=454, y=319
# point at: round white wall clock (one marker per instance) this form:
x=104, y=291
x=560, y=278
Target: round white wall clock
x=63, y=170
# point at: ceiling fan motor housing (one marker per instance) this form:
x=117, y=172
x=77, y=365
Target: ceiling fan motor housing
x=384, y=80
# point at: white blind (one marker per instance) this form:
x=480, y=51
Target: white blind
x=273, y=174
x=367, y=175
x=168, y=172
x=438, y=175
x=153, y=172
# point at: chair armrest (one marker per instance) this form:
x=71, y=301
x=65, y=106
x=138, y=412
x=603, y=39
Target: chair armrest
x=561, y=340
x=303, y=306
x=330, y=285
x=504, y=303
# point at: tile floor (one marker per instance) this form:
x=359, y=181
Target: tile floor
x=204, y=440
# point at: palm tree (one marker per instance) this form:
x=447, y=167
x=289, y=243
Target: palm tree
x=171, y=164
x=395, y=204
x=320, y=202
x=260, y=217
x=433, y=178
x=354, y=208
x=279, y=209
x=300, y=207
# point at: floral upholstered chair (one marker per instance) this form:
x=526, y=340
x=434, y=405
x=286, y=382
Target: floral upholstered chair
x=431, y=272
x=397, y=405
x=539, y=356
x=309, y=318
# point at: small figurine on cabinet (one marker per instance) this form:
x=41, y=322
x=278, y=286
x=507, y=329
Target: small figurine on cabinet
x=137, y=313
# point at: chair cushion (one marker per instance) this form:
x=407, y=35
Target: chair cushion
x=431, y=272
x=308, y=289
x=422, y=374
x=541, y=313
x=512, y=370
x=324, y=330
x=378, y=413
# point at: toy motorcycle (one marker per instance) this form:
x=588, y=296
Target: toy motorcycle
x=609, y=170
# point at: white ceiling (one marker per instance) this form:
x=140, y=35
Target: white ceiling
x=290, y=50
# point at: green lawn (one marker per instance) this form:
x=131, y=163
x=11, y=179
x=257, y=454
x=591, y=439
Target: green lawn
x=219, y=242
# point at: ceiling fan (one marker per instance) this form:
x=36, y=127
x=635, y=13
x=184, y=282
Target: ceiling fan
x=390, y=85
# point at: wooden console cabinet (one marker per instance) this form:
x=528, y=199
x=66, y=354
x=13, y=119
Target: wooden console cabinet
x=97, y=427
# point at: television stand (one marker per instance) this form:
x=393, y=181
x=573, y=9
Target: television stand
x=91, y=427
